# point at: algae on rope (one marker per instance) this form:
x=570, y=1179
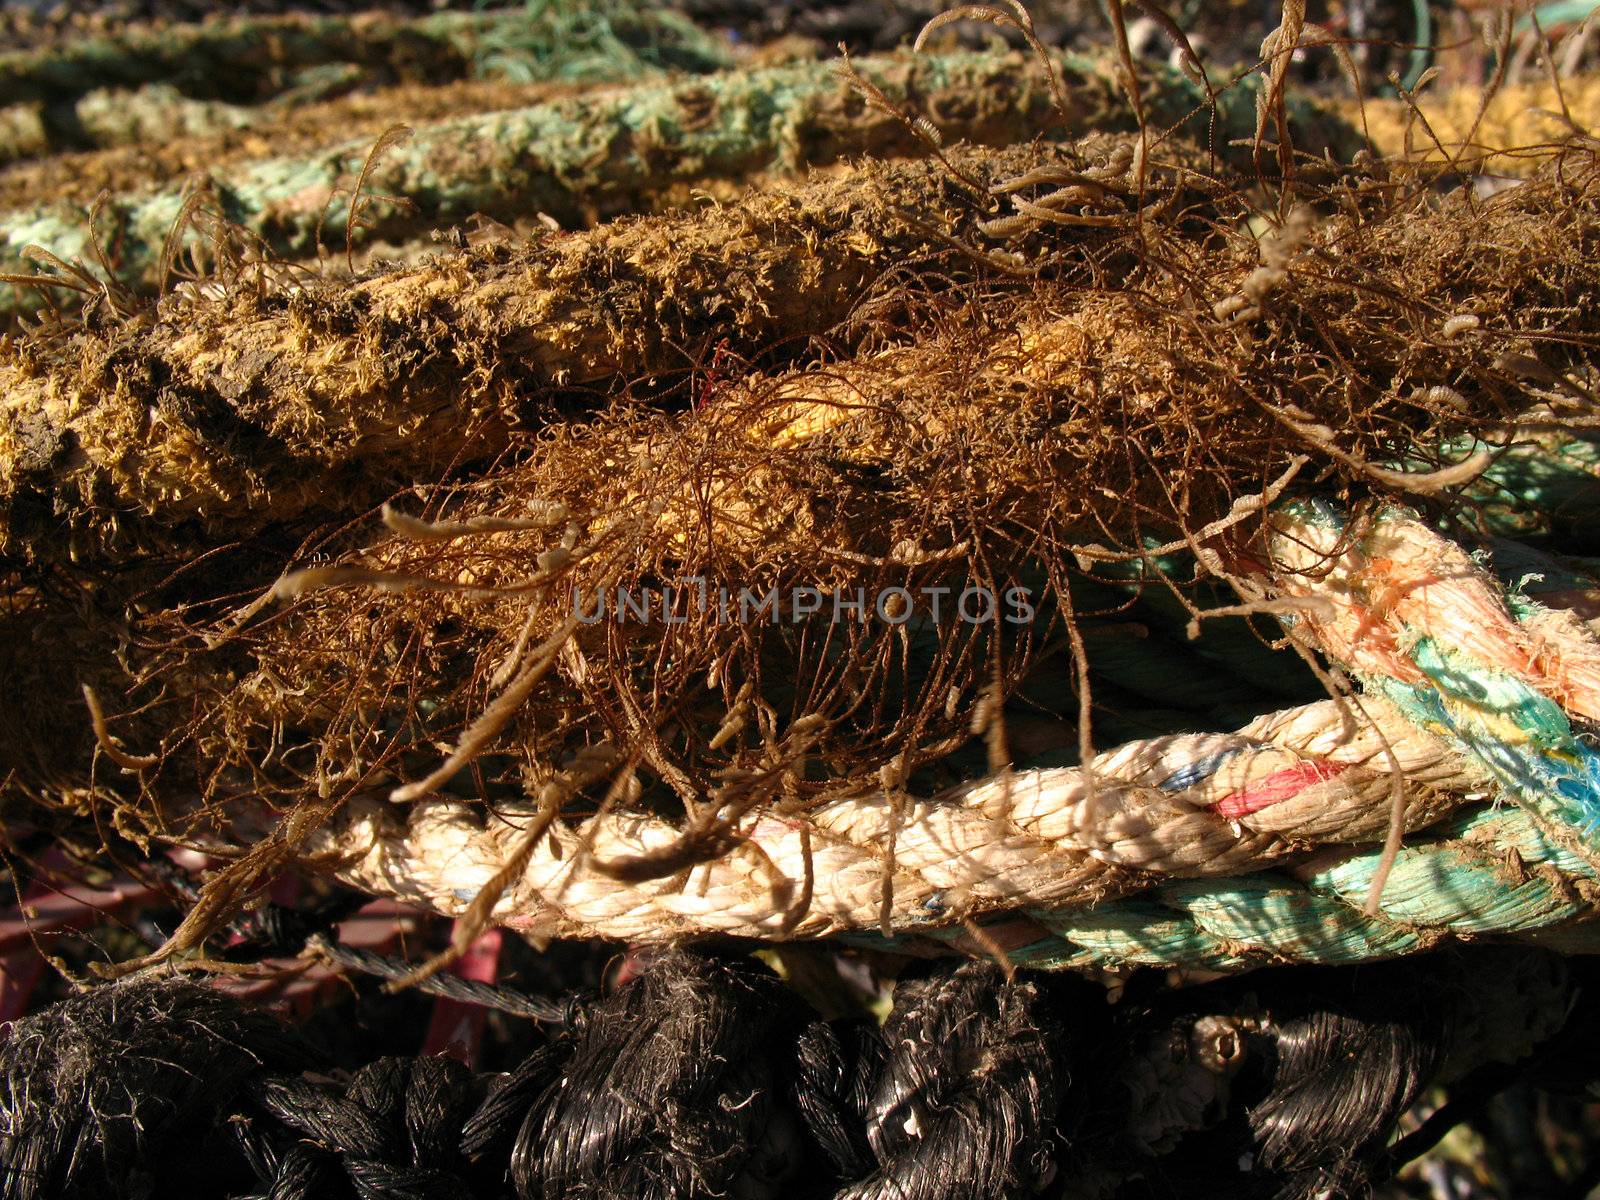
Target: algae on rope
x=274, y=131
x=117, y=117
x=252, y=58
x=573, y=159
x=605, y=154
x=609, y=40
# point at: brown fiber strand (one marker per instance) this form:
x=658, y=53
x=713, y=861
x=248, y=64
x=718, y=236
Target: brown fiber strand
x=998, y=429
x=884, y=377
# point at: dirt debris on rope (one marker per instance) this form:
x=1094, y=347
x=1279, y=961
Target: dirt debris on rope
x=628, y=150
x=1075, y=411
x=236, y=412
x=600, y=154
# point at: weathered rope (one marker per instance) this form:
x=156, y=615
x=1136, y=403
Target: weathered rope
x=705, y=1077
x=611, y=151
x=74, y=95
x=620, y=150
x=1424, y=625
x=254, y=57
x=1488, y=872
x=427, y=368
x=442, y=361
x=1445, y=639
x=1186, y=805
x=1043, y=845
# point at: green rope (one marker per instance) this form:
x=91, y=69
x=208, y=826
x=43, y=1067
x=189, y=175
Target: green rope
x=1492, y=871
x=614, y=152
x=566, y=158
x=1537, y=487
x=1563, y=12
x=1421, y=44
x=254, y=58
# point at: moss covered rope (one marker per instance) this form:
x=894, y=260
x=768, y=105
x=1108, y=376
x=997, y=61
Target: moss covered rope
x=137, y=101
x=111, y=117
x=389, y=373
x=568, y=158
x=605, y=154
x=253, y=58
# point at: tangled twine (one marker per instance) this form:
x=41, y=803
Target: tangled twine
x=1059, y=362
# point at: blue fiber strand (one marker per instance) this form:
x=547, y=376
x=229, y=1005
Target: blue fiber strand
x=1190, y=774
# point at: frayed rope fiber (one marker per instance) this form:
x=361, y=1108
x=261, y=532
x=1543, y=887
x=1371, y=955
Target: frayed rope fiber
x=1104, y=370
x=1465, y=699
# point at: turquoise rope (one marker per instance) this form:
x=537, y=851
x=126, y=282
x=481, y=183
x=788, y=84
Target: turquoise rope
x=1523, y=737
x=1461, y=885
x=1530, y=488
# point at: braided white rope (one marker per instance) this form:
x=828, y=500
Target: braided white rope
x=1182, y=805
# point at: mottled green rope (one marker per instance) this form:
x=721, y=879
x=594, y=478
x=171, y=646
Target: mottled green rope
x=1492, y=871
x=255, y=57
x=614, y=152
x=568, y=158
